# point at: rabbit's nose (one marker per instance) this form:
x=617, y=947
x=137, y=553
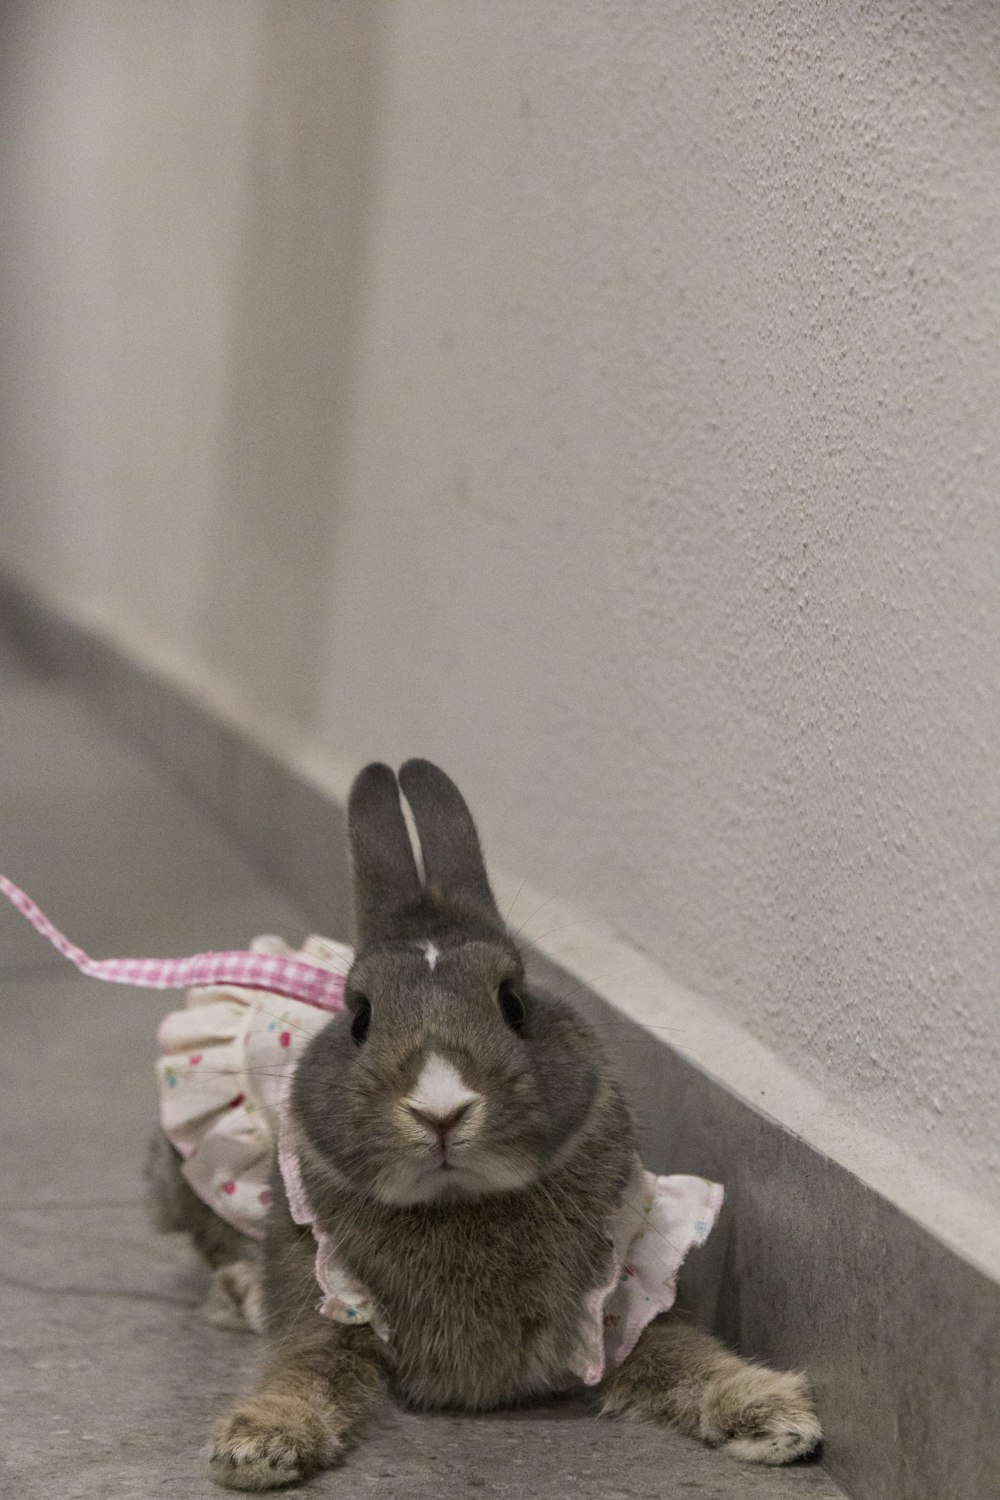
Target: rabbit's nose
x=441, y=1124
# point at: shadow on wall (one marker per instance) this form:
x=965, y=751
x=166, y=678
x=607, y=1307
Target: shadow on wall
x=298, y=299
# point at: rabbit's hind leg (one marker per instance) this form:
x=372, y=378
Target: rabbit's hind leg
x=234, y=1297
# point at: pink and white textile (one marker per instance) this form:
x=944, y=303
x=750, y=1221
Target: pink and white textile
x=284, y=973
x=225, y=1070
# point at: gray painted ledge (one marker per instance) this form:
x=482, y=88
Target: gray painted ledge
x=811, y=1266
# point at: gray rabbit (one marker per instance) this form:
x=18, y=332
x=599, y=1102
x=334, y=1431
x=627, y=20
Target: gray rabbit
x=456, y=1154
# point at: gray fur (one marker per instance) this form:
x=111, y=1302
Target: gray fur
x=482, y=1289
x=480, y=1274
x=385, y=871
x=453, y=861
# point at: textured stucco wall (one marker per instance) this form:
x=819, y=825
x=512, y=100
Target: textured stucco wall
x=604, y=399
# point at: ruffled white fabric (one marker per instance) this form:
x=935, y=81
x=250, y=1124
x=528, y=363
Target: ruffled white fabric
x=225, y=1063
x=343, y=1299
x=658, y=1221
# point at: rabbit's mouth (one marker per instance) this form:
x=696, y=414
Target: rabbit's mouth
x=458, y=1171
x=449, y=1159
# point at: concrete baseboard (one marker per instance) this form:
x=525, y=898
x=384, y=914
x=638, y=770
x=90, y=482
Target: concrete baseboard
x=837, y=1252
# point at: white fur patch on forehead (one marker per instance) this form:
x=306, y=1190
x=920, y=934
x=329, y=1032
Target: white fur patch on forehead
x=440, y=1090
x=430, y=951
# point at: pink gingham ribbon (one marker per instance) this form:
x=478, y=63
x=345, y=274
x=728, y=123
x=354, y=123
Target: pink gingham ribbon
x=253, y=971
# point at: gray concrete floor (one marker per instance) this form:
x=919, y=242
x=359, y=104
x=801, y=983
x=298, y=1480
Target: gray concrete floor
x=109, y=1378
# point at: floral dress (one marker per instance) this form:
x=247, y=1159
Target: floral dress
x=225, y=1069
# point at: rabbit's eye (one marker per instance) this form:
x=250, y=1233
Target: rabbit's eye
x=361, y=1021
x=512, y=1006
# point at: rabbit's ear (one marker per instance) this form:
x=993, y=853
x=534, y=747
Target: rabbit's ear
x=453, y=861
x=385, y=870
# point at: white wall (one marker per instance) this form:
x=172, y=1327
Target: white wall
x=600, y=398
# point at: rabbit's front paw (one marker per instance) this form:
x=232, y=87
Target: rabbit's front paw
x=269, y=1441
x=760, y=1416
